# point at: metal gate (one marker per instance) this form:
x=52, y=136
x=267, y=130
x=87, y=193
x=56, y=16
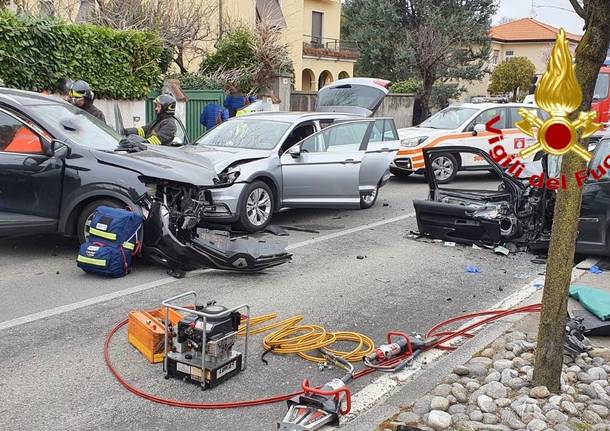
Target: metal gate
x=196, y=101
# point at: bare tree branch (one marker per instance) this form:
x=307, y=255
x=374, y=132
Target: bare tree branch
x=578, y=8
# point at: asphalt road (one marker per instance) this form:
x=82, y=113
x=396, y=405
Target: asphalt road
x=54, y=374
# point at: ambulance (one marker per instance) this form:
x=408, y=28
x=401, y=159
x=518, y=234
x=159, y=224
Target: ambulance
x=463, y=125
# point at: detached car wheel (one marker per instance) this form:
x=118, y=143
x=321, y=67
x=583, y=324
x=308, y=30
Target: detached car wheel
x=400, y=172
x=367, y=200
x=256, y=208
x=445, y=168
x=85, y=215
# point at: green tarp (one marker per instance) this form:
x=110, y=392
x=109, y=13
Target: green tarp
x=597, y=301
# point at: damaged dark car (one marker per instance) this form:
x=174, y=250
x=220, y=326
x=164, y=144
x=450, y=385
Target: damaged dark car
x=512, y=210
x=58, y=164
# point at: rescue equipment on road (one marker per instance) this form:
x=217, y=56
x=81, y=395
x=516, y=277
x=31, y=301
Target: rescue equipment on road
x=112, y=243
x=317, y=407
x=200, y=346
x=310, y=408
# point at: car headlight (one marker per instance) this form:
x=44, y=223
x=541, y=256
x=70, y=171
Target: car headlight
x=229, y=176
x=412, y=142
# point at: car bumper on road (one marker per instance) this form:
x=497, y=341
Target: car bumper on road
x=225, y=204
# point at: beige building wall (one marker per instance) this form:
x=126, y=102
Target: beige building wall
x=228, y=14
x=537, y=52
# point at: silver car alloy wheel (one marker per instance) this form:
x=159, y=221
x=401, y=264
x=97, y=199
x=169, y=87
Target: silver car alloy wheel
x=369, y=198
x=258, y=207
x=442, y=167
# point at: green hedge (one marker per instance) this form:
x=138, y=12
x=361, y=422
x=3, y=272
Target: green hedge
x=37, y=52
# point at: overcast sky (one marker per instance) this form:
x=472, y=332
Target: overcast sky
x=558, y=13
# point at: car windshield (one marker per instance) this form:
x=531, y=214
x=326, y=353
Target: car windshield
x=78, y=126
x=250, y=133
x=449, y=118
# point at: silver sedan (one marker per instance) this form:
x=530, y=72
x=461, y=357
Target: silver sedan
x=341, y=163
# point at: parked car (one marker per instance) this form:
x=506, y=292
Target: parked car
x=334, y=158
x=57, y=164
x=459, y=125
x=515, y=211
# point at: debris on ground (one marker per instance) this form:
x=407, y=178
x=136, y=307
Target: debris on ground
x=276, y=230
x=539, y=261
x=586, y=264
x=300, y=229
x=382, y=280
x=495, y=391
x=502, y=250
x=449, y=244
x=595, y=270
x=360, y=257
x=473, y=269
x=476, y=247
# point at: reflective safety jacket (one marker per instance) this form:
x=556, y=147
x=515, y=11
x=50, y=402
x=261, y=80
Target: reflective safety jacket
x=161, y=131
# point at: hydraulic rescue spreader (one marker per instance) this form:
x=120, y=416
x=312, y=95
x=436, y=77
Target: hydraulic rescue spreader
x=317, y=407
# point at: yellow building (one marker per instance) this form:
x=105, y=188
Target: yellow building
x=312, y=30
x=524, y=37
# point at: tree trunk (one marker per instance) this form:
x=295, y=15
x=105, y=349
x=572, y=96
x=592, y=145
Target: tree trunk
x=590, y=55
x=179, y=60
x=427, y=84
x=85, y=10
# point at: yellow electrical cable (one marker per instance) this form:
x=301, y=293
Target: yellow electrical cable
x=291, y=338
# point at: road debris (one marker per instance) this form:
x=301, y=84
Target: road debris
x=595, y=270
x=502, y=250
x=473, y=269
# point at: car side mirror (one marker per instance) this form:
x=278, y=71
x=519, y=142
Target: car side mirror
x=295, y=151
x=478, y=128
x=59, y=150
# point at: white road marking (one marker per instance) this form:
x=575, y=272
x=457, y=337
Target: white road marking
x=169, y=280
x=384, y=385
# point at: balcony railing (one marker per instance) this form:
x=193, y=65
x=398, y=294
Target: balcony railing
x=329, y=47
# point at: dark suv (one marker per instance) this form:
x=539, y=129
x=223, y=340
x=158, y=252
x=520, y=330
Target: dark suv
x=58, y=163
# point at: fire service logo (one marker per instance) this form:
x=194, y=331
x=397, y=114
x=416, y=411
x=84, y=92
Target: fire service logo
x=559, y=94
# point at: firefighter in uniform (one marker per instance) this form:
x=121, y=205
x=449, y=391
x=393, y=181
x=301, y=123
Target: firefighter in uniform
x=82, y=96
x=162, y=130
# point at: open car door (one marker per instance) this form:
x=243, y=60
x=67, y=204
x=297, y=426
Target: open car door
x=118, y=119
x=469, y=215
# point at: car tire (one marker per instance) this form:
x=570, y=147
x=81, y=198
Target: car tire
x=367, y=200
x=399, y=172
x=256, y=207
x=445, y=167
x=88, y=211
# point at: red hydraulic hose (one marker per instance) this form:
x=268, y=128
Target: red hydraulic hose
x=443, y=337
x=183, y=404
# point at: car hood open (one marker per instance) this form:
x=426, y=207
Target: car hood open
x=164, y=163
x=222, y=157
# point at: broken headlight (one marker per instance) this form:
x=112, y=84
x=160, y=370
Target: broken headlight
x=412, y=142
x=151, y=190
x=228, y=177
